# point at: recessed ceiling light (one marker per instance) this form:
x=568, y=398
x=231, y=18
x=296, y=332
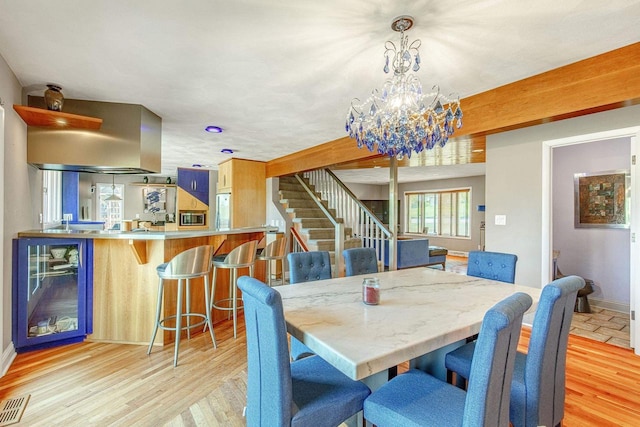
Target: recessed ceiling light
x=226, y=151
x=213, y=129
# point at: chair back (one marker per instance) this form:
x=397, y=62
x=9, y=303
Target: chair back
x=487, y=401
x=492, y=265
x=269, y=389
x=309, y=266
x=243, y=255
x=275, y=250
x=546, y=359
x=360, y=261
x=192, y=262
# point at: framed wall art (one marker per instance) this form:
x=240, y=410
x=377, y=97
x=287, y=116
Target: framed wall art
x=601, y=199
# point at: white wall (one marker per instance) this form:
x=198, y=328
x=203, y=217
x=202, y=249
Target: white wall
x=600, y=254
x=514, y=184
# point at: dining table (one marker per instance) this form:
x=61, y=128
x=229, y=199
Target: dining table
x=422, y=314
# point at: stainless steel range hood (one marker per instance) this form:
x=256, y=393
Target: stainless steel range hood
x=129, y=140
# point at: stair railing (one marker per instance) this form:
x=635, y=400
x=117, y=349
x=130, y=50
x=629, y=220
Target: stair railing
x=298, y=244
x=355, y=214
x=338, y=225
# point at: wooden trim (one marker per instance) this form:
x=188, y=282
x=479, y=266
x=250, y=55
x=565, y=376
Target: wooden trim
x=56, y=119
x=139, y=248
x=603, y=82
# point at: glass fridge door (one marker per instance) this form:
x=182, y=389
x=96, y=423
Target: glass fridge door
x=51, y=290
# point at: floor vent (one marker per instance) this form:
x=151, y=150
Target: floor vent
x=11, y=410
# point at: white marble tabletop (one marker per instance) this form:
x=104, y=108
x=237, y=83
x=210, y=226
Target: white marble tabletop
x=421, y=310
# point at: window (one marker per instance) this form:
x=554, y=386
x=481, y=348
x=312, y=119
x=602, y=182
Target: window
x=441, y=213
x=111, y=208
x=51, y=197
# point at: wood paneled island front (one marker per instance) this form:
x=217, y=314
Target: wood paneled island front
x=125, y=282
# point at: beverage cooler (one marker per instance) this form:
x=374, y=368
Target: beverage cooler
x=52, y=292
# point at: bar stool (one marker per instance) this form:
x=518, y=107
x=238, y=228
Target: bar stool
x=187, y=265
x=274, y=251
x=241, y=257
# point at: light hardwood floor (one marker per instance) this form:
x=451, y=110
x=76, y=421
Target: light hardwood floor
x=96, y=384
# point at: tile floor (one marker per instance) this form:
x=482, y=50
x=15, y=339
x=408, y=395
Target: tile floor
x=601, y=325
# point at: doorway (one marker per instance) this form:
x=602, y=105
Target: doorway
x=631, y=134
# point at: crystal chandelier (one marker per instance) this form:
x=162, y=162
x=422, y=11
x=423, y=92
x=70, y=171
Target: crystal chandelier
x=401, y=118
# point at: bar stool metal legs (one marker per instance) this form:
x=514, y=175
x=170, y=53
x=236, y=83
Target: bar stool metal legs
x=274, y=251
x=190, y=264
x=241, y=257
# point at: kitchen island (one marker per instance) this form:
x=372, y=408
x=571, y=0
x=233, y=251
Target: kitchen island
x=125, y=282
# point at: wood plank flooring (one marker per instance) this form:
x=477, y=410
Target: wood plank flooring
x=97, y=384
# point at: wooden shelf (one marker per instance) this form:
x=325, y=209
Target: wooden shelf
x=56, y=119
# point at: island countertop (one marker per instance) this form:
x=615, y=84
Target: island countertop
x=141, y=234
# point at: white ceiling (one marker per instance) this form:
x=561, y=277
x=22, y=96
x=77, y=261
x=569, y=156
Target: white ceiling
x=279, y=75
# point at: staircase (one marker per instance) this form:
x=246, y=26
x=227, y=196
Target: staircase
x=310, y=221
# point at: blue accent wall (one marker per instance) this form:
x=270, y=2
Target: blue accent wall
x=71, y=194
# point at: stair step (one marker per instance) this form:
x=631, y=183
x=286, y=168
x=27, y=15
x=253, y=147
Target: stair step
x=319, y=233
x=308, y=212
x=294, y=194
x=313, y=223
x=321, y=245
x=299, y=203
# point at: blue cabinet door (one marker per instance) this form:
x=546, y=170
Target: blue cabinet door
x=195, y=182
x=52, y=292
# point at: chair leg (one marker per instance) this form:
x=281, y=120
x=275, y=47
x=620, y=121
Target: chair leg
x=233, y=293
x=158, y=308
x=268, y=272
x=213, y=287
x=178, y=323
x=207, y=314
x=188, y=304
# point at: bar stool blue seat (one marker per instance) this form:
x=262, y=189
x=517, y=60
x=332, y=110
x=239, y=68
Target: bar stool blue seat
x=187, y=265
x=244, y=256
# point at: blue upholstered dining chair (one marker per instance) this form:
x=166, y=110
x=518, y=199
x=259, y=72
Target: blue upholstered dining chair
x=307, y=267
x=492, y=265
x=282, y=393
x=415, y=398
x=359, y=261
x=537, y=390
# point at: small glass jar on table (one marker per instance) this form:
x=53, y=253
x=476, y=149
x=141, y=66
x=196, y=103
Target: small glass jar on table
x=371, y=291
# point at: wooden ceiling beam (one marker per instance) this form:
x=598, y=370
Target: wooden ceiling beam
x=603, y=82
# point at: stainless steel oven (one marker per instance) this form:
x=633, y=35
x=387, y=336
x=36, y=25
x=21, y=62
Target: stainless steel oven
x=193, y=218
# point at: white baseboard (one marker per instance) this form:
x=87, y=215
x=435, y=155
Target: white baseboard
x=610, y=305
x=8, y=355
x=458, y=253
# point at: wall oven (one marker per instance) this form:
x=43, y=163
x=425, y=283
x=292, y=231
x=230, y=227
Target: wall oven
x=193, y=218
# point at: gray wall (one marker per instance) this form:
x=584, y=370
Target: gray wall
x=600, y=254
x=476, y=183
x=21, y=184
x=514, y=184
